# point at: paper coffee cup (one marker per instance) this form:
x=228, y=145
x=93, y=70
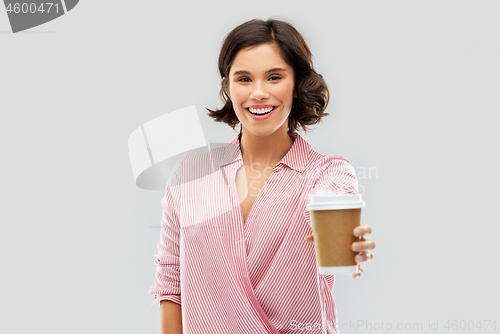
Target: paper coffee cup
x=334, y=218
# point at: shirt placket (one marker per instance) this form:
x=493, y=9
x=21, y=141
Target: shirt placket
x=239, y=246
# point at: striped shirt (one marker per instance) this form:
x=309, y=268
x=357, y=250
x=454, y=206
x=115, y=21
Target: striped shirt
x=252, y=277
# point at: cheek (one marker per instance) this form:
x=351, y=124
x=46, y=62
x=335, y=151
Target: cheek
x=285, y=92
x=237, y=93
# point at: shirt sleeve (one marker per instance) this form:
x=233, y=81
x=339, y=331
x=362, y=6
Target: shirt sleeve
x=168, y=284
x=334, y=173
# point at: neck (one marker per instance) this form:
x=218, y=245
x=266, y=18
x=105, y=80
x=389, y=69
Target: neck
x=260, y=152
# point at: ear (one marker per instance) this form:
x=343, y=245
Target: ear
x=295, y=96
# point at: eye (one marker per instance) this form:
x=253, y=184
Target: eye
x=274, y=78
x=244, y=79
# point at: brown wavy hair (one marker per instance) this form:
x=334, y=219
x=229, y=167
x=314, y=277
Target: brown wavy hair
x=310, y=87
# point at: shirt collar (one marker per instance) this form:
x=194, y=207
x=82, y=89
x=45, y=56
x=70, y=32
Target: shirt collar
x=295, y=158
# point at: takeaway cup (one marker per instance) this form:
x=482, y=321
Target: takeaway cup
x=334, y=218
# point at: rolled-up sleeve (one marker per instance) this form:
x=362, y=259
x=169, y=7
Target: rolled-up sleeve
x=168, y=283
x=334, y=173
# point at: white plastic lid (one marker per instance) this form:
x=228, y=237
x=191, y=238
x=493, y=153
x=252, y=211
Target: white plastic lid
x=326, y=199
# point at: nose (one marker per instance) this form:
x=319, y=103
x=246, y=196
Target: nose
x=259, y=91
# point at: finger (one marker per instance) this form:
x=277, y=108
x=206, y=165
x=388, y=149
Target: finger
x=361, y=230
x=363, y=257
x=358, y=274
x=309, y=238
x=365, y=245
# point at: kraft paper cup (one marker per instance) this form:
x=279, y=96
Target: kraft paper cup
x=334, y=217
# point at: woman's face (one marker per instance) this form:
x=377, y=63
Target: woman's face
x=261, y=82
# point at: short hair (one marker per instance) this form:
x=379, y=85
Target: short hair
x=310, y=87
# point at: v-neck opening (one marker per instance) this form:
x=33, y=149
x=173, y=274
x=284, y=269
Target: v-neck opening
x=243, y=220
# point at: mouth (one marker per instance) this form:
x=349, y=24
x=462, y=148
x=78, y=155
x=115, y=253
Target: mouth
x=261, y=111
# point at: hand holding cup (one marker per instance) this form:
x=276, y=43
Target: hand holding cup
x=362, y=247
x=340, y=246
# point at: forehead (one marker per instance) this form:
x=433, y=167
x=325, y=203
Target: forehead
x=259, y=58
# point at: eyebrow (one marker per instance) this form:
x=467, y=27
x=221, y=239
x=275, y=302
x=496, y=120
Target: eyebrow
x=276, y=69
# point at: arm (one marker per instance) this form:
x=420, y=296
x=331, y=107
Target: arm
x=170, y=317
x=167, y=288
x=340, y=176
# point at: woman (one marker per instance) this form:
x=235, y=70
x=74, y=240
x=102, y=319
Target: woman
x=240, y=259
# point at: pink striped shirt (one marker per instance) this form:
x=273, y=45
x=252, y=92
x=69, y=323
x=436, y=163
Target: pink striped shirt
x=257, y=276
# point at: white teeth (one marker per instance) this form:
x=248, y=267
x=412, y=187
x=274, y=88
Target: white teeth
x=260, y=111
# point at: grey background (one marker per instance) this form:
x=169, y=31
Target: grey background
x=414, y=96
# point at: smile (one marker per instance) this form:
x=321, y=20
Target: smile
x=262, y=111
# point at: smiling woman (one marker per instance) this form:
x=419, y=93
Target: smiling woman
x=283, y=41
x=261, y=88
x=234, y=257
